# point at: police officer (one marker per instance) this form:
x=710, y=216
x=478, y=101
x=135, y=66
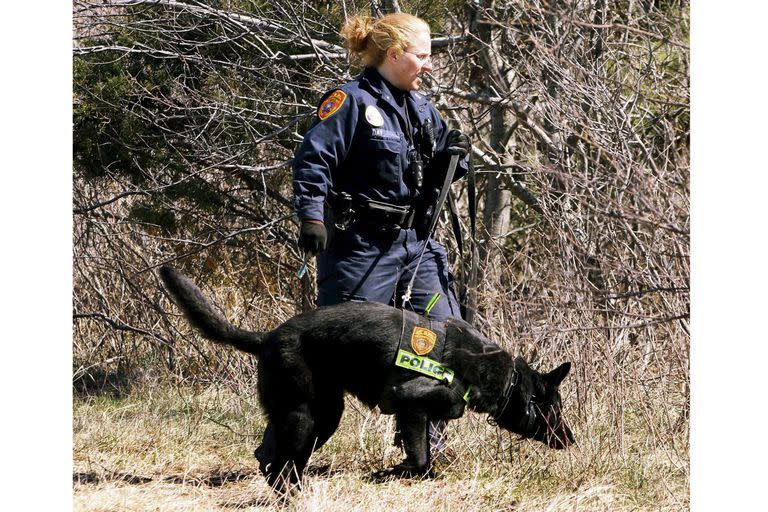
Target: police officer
x=369, y=170
x=367, y=174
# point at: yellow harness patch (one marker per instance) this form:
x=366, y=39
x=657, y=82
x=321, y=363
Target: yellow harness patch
x=423, y=340
x=423, y=365
x=331, y=104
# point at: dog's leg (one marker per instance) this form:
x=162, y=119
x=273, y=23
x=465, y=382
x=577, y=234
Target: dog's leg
x=413, y=433
x=428, y=395
x=265, y=453
x=294, y=442
x=415, y=442
x=327, y=411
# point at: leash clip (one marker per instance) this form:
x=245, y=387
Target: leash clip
x=303, y=269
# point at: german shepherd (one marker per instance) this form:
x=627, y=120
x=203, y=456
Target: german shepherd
x=307, y=364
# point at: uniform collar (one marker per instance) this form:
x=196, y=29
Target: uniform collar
x=378, y=85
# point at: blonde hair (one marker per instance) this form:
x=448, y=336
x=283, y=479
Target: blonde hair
x=368, y=39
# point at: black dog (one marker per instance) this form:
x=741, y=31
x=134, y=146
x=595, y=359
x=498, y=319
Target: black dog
x=308, y=363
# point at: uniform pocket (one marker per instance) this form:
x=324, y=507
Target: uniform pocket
x=383, y=158
x=386, y=145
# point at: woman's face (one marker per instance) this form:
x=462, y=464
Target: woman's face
x=404, y=71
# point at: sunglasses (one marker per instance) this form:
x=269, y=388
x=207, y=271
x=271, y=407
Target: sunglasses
x=423, y=57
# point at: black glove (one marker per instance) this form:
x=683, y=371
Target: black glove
x=457, y=143
x=312, y=237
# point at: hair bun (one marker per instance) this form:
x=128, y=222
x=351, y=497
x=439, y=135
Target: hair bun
x=368, y=39
x=356, y=32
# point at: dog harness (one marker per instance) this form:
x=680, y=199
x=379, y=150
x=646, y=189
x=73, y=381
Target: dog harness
x=421, y=349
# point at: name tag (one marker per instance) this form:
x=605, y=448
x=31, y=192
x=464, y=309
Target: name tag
x=381, y=133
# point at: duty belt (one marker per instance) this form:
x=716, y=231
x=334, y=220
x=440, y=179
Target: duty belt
x=369, y=212
x=385, y=214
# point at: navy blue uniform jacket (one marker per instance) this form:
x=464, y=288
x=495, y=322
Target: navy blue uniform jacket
x=361, y=148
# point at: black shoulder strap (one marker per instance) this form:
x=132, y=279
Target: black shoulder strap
x=468, y=281
x=470, y=300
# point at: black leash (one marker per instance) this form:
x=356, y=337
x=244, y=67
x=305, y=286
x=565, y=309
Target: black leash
x=433, y=222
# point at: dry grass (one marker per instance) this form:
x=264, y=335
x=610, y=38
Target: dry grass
x=175, y=447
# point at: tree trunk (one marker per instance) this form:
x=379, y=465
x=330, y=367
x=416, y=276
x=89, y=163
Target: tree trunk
x=494, y=81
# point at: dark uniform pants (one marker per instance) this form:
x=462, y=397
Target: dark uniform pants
x=365, y=264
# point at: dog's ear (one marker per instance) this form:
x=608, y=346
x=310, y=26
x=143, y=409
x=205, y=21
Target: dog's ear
x=556, y=376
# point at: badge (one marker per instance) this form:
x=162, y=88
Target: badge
x=373, y=116
x=331, y=104
x=423, y=340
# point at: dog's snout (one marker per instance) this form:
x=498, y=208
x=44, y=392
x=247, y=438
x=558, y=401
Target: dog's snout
x=561, y=438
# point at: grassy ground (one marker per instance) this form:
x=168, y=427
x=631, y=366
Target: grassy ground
x=180, y=448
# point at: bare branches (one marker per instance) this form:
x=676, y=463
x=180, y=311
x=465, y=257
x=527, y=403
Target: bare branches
x=120, y=326
x=263, y=26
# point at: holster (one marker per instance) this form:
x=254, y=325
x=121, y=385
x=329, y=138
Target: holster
x=376, y=218
x=425, y=211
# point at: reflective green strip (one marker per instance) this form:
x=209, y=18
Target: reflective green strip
x=423, y=365
x=432, y=302
x=466, y=395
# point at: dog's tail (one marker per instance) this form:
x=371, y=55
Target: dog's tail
x=201, y=315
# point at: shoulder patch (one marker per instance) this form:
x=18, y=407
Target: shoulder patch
x=423, y=340
x=331, y=104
